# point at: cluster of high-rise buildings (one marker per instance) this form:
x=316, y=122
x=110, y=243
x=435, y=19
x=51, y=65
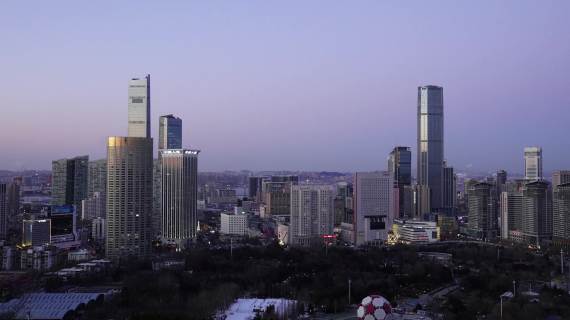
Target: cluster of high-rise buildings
x=363, y=212
x=529, y=210
x=127, y=200
x=136, y=197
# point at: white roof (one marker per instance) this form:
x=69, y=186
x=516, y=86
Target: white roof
x=243, y=309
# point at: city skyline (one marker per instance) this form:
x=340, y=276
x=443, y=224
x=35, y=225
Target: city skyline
x=502, y=72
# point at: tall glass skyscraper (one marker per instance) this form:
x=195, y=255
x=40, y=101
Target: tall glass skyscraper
x=139, y=107
x=430, y=143
x=169, y=132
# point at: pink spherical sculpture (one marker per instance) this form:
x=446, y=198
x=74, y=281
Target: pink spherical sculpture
x=374, y=307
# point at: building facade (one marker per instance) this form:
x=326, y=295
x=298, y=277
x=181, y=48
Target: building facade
x=169, y=132
x=561, y=214
x=430, y=143
x=449, y=191
x=373, y=206
x=312, y=214
x=233, y=224
x=129, y=197
x=533, y=163
x=139, y=107
x=69, y=181
x=482, y=211
x=178, y=195
x=560, y=177
x=400, y=167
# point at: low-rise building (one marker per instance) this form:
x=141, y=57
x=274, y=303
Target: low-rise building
x=414, y=232
x=38, y=258
x=233, y=224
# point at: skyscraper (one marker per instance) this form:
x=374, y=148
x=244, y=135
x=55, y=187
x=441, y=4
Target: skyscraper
x=511, y=214
x=255, y=185
x=430, y=143
x=139, y=107
x=373, y=206
x=3, y=211
x=561, y=215
x=169, y=132
x=536, y=213
x=179, y=195
x=560, y=177
x=95, y=204
x=97, y=181
x=400, y=167
x=482, y=211
x=312, y=213
x=129, y=197
x=449, y=191
x=130, y=180
x=533, y=163
x=69, y=181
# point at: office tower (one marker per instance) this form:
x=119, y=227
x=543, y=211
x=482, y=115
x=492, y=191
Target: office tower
x=179, y=195
x=156, y=198
x=373, y=206
x=13, y=205
x=536, y=213
x=277, y=198
x=129, y=197
x=560, y=177
x=96, y=190
x=93, y=207
x=169, y=132
x=139, y=107
x=63, y=224
x=255, y=185
x=97, y=181
x=3, y=211
x=500, y=182
x=430, y=143
x=482, y=211
x=343, y=203
x=533, y=163
x=561, y=214
x=400, y=167
x=69, y=181
x=36, y=232
x=449, y=192
x=312, y=214
x=511, y=206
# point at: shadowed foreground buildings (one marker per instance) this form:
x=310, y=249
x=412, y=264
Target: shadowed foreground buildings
x=179, y=194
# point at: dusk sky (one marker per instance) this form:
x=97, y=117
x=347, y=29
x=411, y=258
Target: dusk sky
x=292, y=85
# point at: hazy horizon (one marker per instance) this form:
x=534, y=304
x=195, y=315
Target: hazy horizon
x=312, y=86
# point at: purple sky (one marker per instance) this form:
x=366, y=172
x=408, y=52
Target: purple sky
x=300, y=85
